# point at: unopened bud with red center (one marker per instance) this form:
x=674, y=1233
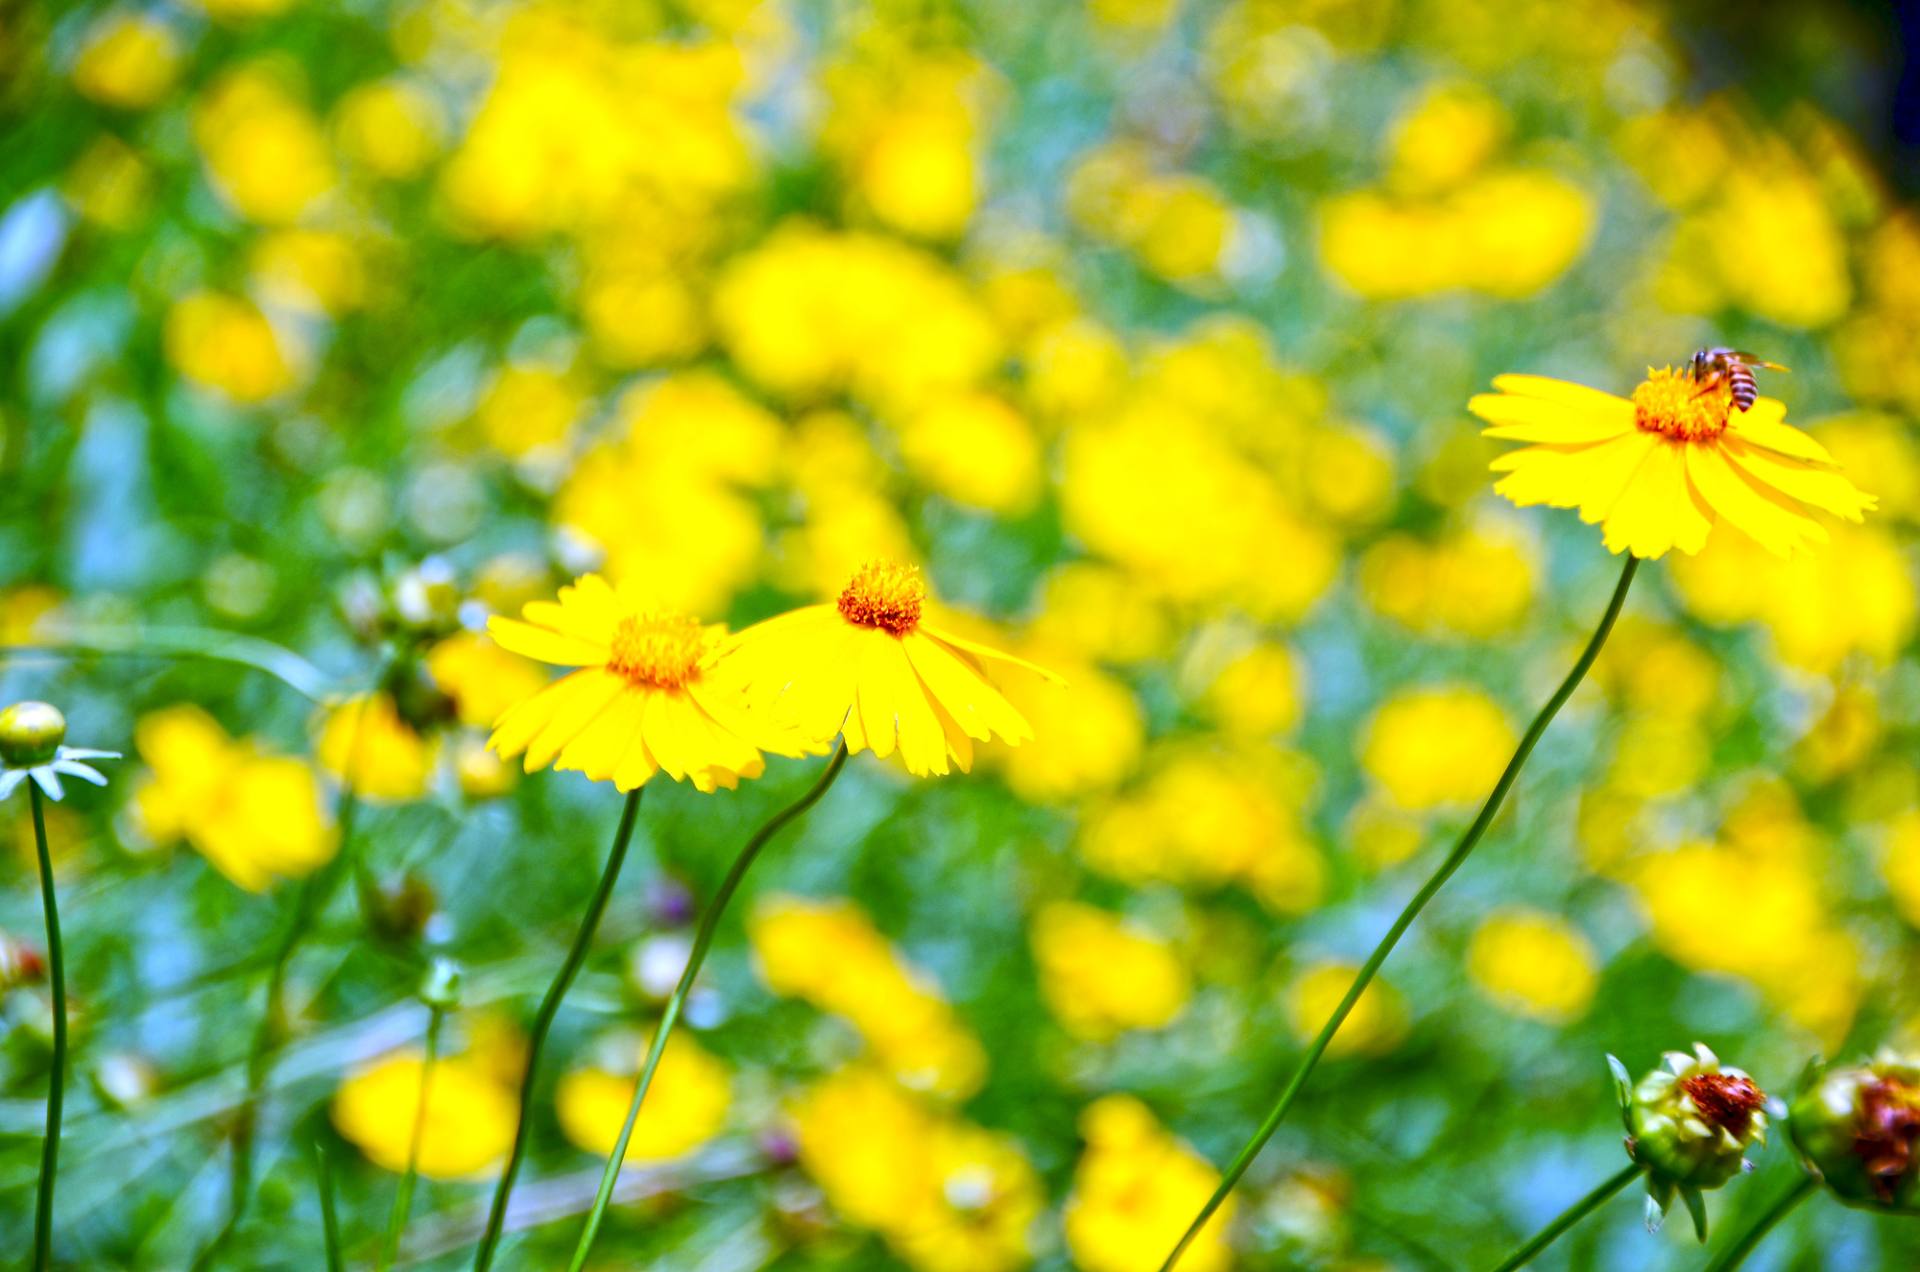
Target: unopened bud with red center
x=1858, y=1127
x=1690, y=1123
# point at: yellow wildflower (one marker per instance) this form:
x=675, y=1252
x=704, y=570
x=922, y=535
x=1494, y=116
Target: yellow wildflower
x=871, y=669
x=689, y=1100
x=255, y=817
x=264, y=152
x=1134, y=1192
x=470, y=1115
x=127, y=60
x=1436, y=746
x=483, y=679
x=366, y=745
x=1534, y=964
x=1374, y=1027
x=1661, y=470
x=1101, y=976
x=225, y=343
x=655, y=693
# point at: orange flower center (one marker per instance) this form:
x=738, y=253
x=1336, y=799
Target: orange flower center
x=1675, y=404
x=662, y=650
x=886, y=595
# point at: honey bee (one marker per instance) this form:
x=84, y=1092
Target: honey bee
x=1712, y=368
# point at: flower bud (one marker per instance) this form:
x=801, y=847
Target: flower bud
x=400, y=911
x=1858, y=1126
x=441, y=988
x=1689, y=1122
x=30, y=734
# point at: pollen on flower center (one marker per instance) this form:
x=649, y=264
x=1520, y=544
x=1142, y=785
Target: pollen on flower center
x=662, y=650
x=886, y=595
x=1673, y=403
x=1725, y=1102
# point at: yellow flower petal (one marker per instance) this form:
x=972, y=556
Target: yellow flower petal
x=1821, y=487
x=1656, y=509
x=1770, y=429
x=1523, y=419
x=875, y=700
x=988, y=652
x=923, y=743
x=590, y=692
x=963, y=691
x=1770, y=519
x=546, y=645
x=599, y=747
x=1589, y=478
x=1563, y=391
x=590, y=609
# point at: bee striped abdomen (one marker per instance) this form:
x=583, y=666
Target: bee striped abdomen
x=1744, y=389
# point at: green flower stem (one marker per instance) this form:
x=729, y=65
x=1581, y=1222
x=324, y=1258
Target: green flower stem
x=329, y=1219
x=1571, y=1215
x=57, y=1082
x=1453, y=862
x=209, y=644
x=403, y=1198
x=543, y=1021
x=702, y=939
x=1736, y=1254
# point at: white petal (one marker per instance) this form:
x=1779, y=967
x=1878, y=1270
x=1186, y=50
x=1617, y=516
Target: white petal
x=73, y=768
x=82, y=753
x=10, y=780
x=48, y=780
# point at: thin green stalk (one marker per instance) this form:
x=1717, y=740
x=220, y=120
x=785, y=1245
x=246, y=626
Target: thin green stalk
x=57, y=1082
x=1571, y=1215
x=329, y=1219
x=702, y=939
x=403, y=1198
x=543, y=1021
x=209, y=644
x=1736, y=1254
x=1453, y=862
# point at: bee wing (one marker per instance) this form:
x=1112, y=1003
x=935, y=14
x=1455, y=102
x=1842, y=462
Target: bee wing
x=1755, y=360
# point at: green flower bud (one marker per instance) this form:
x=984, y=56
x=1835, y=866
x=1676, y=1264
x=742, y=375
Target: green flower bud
x=1690, y=1123
x=441, y=988
x=1858, y=1127
x=30, y=734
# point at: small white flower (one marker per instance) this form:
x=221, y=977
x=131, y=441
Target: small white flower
x=31, y=734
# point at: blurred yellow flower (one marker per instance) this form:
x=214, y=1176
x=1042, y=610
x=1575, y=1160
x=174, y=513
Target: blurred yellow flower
x=1900, y=863
x=1663, y=469
x=654, y=693
x=225, y=343
x=947, y=1196
x=483, y=679
x=529, y=408
x=829, y=954
x=1101, y=976
x=1533, y=964
x=109, y=184
x=391, y=128
x=366, y=745
x=255, y=817
x=1135, y=1190
x=872, y=670
x=1088, y=733
x=1436, y=746
x=1098, y=612
x=1209, y=818
x=1451, y=130
x=264, y=152
x=1374, y=1027
x=470, y=1115
x=1857, y=598
x=1256, y=693
x=127, y=60
x=976, y=450
x=310, y=271
x=693, y=1090
x=1476, y=582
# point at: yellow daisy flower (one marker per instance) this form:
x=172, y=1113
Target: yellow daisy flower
x=870, y=668
x=653, y=694
x=1661, y=469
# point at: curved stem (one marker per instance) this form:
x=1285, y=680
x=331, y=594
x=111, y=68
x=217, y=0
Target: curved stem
x=403, y=1197
x=57, y=1083
x=1736, y=1254
x=1571, y=1215
x=1453, y=862
x=211, y=644
x=543, y=1021
x=703, y=938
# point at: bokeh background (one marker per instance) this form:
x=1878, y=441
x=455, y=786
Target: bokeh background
x=1146, y=326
